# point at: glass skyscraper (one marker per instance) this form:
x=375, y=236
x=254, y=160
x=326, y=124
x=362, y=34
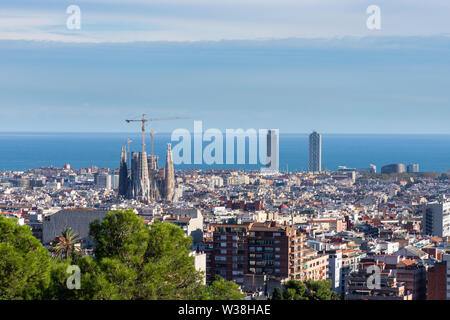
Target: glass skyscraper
x=315, y=152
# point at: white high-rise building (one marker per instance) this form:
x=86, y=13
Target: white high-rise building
x=315, y=152
x=436, y=218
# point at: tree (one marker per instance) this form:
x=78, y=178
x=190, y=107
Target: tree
x=67, y=244
x=220, y=289
x=320, y=290
x=121, y=234
x=277, y=294
x=144, y=262
x=168, y=271
x=308, y=290
x=131, y=261
x=24, y=262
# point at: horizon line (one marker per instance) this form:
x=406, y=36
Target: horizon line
x=164, y=132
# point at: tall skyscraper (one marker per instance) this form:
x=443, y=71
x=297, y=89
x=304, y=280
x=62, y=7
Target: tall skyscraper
x=123, y=174
x=272, y=150
x=315, y=152
x=169, y=175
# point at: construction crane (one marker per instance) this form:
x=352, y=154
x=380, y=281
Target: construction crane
x=144, y=120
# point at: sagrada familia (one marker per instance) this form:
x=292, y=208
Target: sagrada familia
x=144, y=181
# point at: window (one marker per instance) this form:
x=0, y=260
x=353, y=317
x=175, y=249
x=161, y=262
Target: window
x=223, y=237
x=220, y=258
x=223, y=244
x=223, y=251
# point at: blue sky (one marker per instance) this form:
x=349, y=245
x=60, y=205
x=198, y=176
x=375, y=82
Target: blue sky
x=293, y=65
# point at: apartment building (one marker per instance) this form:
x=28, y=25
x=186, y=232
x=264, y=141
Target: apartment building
x=271, y=249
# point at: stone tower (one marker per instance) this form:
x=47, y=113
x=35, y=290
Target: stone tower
x=169, y=176
x=123, y=174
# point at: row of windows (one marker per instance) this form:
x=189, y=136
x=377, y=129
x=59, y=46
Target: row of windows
x=261, y=249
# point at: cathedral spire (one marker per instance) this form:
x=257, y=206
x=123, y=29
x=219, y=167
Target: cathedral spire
x=169, y=175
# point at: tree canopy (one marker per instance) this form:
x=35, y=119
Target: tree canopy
x=307, y=290
x=24, y=263
x=131, y=261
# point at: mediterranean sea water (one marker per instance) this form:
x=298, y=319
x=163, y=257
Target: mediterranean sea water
x=22, y=151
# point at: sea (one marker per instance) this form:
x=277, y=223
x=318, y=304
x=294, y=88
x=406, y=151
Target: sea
x=20, y=151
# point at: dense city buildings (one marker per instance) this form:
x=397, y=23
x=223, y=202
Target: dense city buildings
x=261, y=230
x=315, y=152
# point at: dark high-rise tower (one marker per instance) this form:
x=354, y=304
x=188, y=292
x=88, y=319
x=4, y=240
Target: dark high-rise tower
x=315, y=152
x=123, y=174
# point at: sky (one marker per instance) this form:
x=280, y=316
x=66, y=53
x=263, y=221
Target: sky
x=293, y=65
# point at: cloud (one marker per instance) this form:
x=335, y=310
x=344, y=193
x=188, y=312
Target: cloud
x=195, y=20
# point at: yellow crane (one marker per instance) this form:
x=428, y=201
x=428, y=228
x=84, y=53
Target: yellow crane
x=144, y=120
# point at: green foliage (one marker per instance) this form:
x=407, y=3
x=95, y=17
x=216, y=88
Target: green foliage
x=67, y=245
x=121, y=234
x=24, y=262
x=131, y=261
x=277, y=294
x=308, y=290
x=220, y=289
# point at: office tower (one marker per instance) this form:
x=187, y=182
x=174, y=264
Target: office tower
x=315, y=152
x=272, y=150
x=393, y=168
x=413, y=168
x=436, y=218
x=169, y=176
x=123, y=174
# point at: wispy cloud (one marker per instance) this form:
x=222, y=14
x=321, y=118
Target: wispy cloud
x=193, y=20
